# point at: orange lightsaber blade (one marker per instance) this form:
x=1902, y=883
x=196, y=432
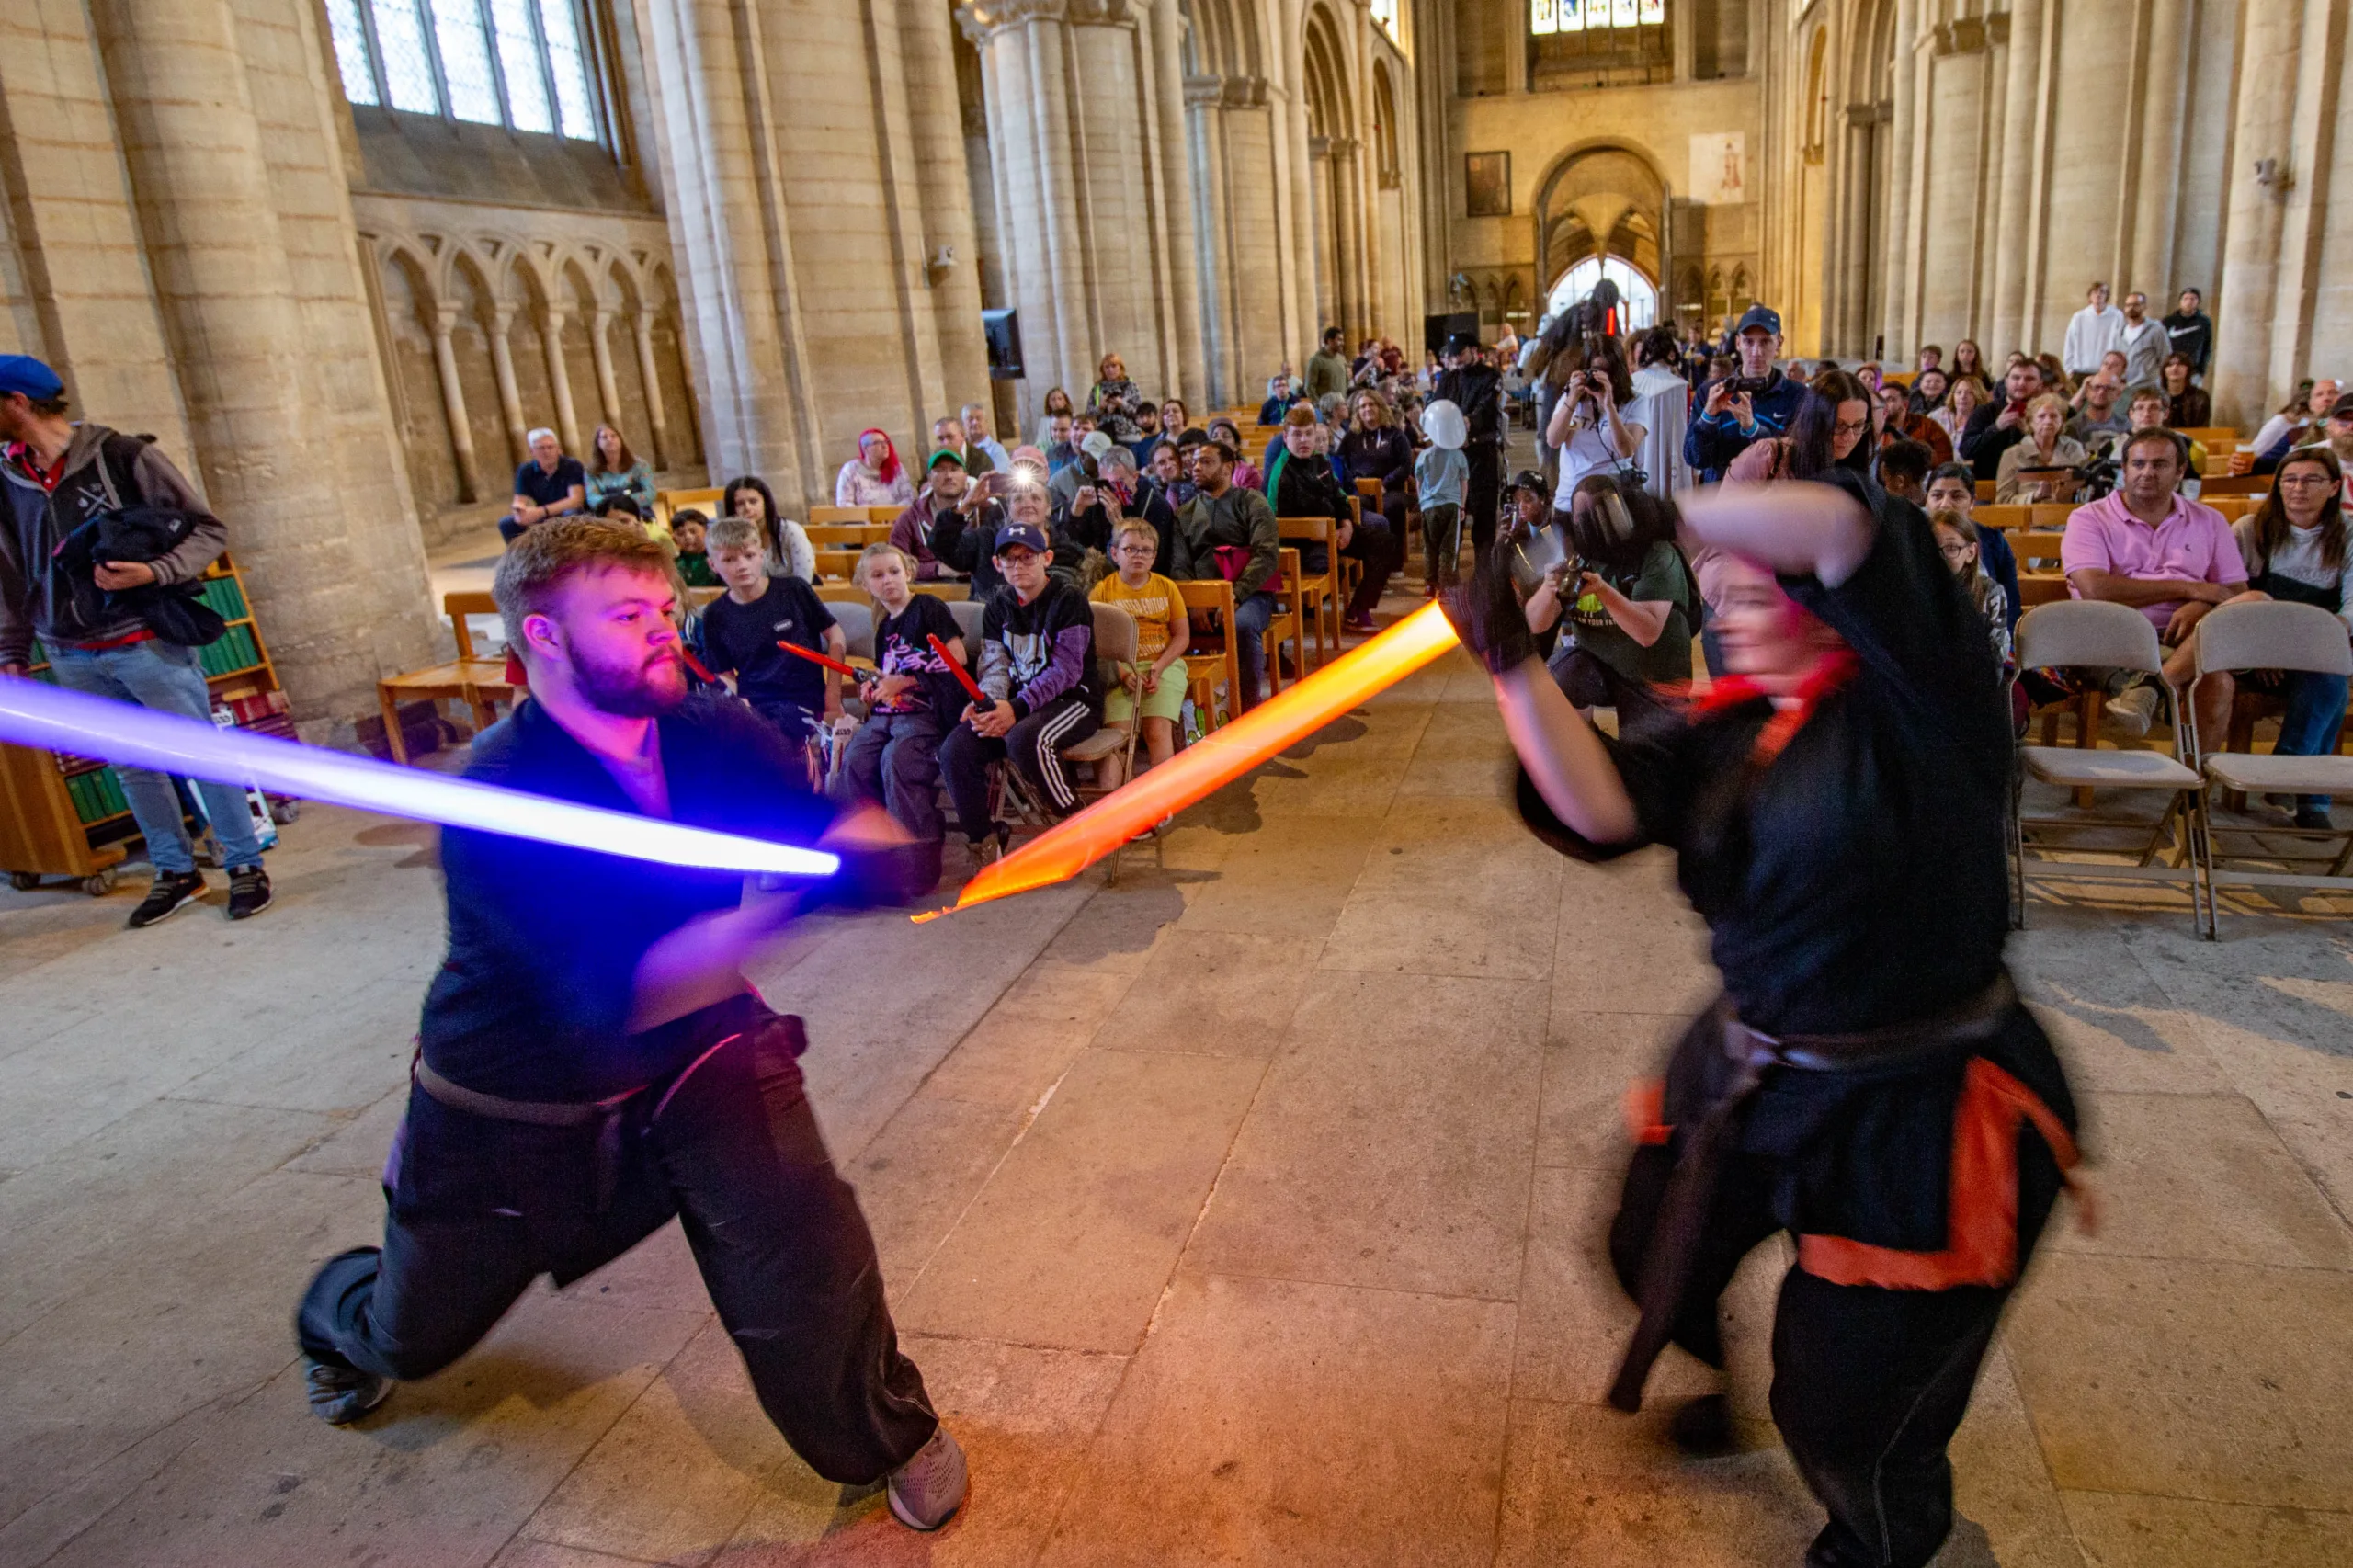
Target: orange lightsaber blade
x=1218, y=758
x=817, y=658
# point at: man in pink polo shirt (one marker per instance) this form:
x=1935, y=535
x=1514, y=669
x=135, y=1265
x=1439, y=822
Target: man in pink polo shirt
x=2169, y=558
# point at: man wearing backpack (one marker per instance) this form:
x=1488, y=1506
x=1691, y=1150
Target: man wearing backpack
x=106, y=624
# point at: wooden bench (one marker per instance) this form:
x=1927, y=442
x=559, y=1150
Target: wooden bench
x=480, y=683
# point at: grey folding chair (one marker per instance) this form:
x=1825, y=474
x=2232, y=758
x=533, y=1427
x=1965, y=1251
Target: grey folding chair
x=2092, y=634
x=857, y=622
x=2277, y=635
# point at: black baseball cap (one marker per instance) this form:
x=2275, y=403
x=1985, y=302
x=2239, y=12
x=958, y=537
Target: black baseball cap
x=1765, y=316
x=1528, y=479
x=1029, y=536
x=2342, y=408
x=1462, y=343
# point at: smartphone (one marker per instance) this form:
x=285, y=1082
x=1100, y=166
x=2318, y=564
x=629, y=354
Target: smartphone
x=994, y=484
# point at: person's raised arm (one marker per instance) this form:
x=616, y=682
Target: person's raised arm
x=1798, y=531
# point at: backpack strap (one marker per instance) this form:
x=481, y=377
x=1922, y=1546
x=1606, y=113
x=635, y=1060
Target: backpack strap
x=118, y=469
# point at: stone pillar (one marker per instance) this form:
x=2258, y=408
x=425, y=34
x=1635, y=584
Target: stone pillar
x=2161, y=104
x=2021, y=104
x=2245, y=378
x=510, y=397
x=1897, y=262
x=608, y=392
x=453, y=402
x=1176, y=168
x=567, y=421
x=1205, y=104
x=238, y=187
x=642, y=329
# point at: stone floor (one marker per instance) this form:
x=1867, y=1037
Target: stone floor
x=1246, y=1212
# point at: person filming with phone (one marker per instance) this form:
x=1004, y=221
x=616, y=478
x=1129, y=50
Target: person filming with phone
x=1589, y=427
x=1752, y=404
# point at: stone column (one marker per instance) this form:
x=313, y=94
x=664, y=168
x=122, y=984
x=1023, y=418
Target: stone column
x=1898, y=265
x=2244, y=382
x=642, y=329
x=510, y=397
x=608, y=392
x=238, y=192
x=567, y=422
x=1176, y=177
x=2021, y=101
x=2163, y=97
x=1205, y=103
x=453, y=402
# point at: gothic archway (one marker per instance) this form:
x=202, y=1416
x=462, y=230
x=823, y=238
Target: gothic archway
x=1602, y=202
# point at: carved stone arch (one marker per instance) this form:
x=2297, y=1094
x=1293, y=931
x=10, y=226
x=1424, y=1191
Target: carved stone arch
x=1599, y=194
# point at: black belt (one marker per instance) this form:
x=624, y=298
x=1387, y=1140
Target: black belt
x=1683, y=1211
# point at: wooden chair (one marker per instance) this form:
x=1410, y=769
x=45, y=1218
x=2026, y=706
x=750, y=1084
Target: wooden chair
x=2037, y=552
x=2051, y=517
x=834, y=516
x=1984, y=490
x=2234, y=484
x=2233, y=507
x=2041, y=588
x=1210, y=654
x=1290, y=618
x=668, y=501
x=837, y=563
x=480, y=683
x=2005, y=518
x=839, y=535
x=953, y=590
x=2211, y=436
x=883, y=516
x=1319, y=593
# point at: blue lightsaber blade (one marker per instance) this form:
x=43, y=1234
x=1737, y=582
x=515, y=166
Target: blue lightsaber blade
x=34, y=713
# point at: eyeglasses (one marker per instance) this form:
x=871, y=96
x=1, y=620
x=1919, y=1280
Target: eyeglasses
x=1850, y=427
x=2304, y=481
x=1956, y=552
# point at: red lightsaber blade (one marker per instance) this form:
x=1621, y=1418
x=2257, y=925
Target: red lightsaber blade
x=817, y=658
x=963, y=677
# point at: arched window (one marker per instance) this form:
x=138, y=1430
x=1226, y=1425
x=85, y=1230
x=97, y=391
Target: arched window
x=521, y=64
x=1597, y=43
x=1385, y=16
x=1637, y=295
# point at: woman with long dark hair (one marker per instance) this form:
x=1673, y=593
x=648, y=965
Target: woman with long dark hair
x=615, y=471
x=789, y=552
x=1868, y=1081
x=2187, y=407
x=1968, y=361
x=2295, y=548
x=1832, y=428
x=1592, y=424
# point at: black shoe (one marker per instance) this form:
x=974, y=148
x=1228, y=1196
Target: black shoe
x=994, y=847
x=173, y=891
x=341, y=1394
x=2315, y=818
x=1703, y=1428
x=249, y=892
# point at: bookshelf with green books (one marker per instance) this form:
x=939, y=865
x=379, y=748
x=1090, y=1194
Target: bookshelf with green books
x=62, y=816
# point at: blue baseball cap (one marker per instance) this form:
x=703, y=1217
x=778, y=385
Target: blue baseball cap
x=1029, y=534
x=1755, y=316
x=23, y=373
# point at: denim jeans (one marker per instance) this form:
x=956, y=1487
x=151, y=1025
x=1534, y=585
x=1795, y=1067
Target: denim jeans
x=1250, y=621
x=167, y=678
x=2315, y=715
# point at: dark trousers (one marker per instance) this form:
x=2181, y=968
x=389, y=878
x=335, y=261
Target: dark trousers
x=1588, y=681
x=1378, y=548
x=1869, y=1384
x=1483, y=495
x=1032, y=748
x=481, y=1206
x=894, y=758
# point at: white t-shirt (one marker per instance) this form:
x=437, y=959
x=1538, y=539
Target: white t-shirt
x=1589, y=448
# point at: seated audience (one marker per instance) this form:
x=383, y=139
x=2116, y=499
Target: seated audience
x=2148, y=412
x=1902, y=469
x=1927, y=391
x=1962, y=399
x=790, y=553
x=1165, y=472
x=2101, y=412
x=550, y=485
x=1228, y=531
x=1147, y=425
x=2188, y=406
x=1149, y=692
x=1282, y=391
x=614, y=469
x=2047, y=445
x=686, y=537
x=2294, y=425
x=1997, y=427
x=1626, y=617
x=1953, y=488
x=1898, y=423
x=1968, y=361
x=1057, y=402
x=741, y=628
x=2167, y=557
x=1036, y=665
x=1174, y=418
x=1061, y=443
x=2295, y=548
x=975, y=417
x=895, y=756
x=947, y=436
x=945, y=482
x=1377, y=447
x=875, y=477
x=1114, y=399
x=961, y=534
x=1957, y=541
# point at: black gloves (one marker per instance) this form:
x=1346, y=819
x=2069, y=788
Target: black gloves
x=1488, y=616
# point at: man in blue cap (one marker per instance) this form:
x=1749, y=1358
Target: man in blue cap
x=1755, y=405
x=1037, y=666
x=97, y=618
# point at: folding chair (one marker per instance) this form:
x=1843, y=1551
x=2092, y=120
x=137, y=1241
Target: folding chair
x=1210, y=655
x=1285, y=625
x=2092, y=633
x=2277, y=635
x=1319, y=594
x=479, y=682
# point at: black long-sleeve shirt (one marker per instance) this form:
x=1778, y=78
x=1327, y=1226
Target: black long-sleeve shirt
x=533, y=999
x=967, y=542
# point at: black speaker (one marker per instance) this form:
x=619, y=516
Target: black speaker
x=1002, y=329
x=1436, y=330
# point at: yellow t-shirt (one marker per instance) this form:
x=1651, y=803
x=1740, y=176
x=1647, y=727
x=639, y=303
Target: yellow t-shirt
x=1154, y=606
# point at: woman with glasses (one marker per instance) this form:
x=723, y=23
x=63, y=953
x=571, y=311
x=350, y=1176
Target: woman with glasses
x=2295, y=546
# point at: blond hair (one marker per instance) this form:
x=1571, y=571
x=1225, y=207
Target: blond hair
x=733, y=533
x=543, y=558
x=1138, y=527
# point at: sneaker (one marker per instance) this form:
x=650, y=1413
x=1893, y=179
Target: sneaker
x=173, y=891
x=926, y=1491
x=2314, y=818
x=341, y=1394
x=1360, y=620
x=994, y=847
x=249, y=892
x=2132, y=711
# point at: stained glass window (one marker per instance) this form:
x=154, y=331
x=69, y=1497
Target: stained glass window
x=523, y=63
x=1597, y=43
x=1547, y=19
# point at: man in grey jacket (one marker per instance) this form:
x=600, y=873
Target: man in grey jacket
x=1227, y=517
x=58, y=476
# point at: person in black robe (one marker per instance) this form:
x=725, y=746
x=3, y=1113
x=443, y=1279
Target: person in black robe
x=1868, y=1080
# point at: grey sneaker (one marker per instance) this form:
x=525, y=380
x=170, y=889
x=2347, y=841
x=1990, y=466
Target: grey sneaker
x=2132, y=711
x=341, y=1394
x=926, y=1491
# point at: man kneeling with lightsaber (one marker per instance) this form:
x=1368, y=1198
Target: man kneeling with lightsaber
x=592, y=1062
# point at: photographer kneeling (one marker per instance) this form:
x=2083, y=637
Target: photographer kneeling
x=1625, y=602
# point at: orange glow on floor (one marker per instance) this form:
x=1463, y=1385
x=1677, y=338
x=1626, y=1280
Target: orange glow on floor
x=1223, y=756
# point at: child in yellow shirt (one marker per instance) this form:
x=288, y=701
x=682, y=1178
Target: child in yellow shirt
x=1146, y=687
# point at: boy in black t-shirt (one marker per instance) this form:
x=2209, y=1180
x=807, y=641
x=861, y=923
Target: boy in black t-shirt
x=1038, y=664
x=741, y=628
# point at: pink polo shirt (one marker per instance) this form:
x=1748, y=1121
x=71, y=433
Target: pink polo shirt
x=2193, y=544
